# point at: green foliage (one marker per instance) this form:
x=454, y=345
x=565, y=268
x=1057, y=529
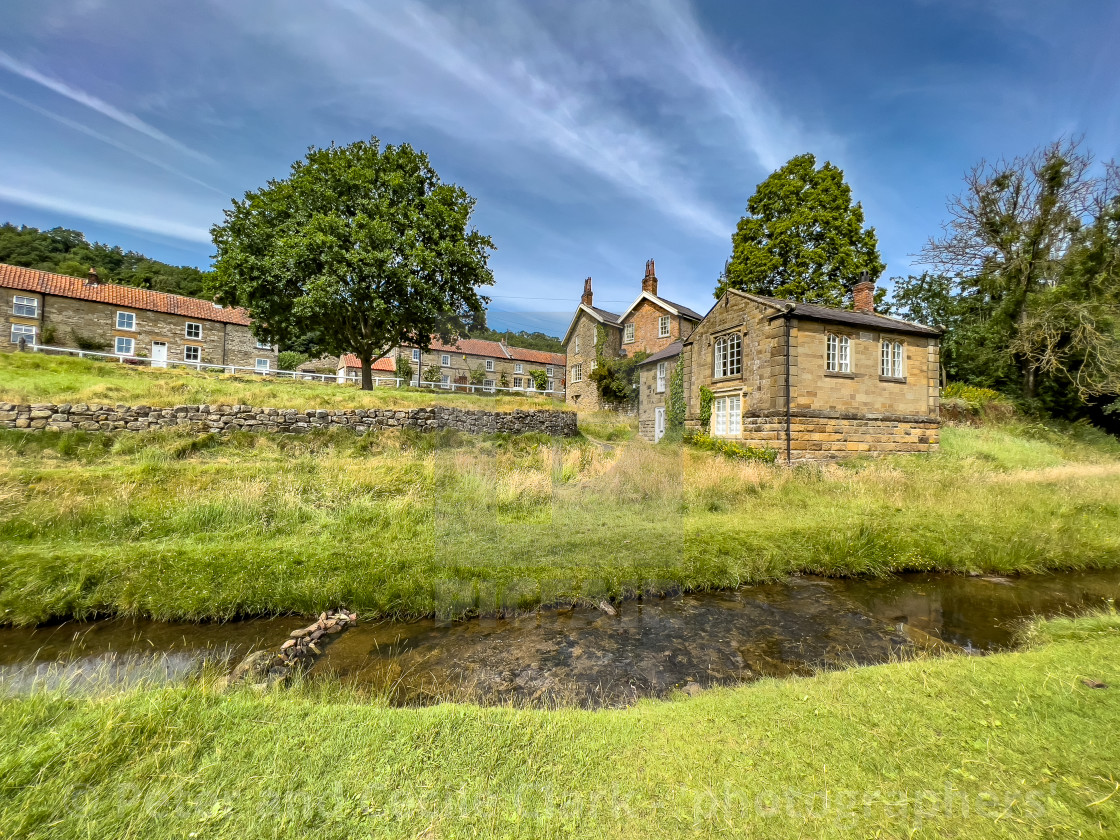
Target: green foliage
x=706, y=397
x=65, y=251
x=977, y=398
x=732, y=448
x=522, y=338
x=432, y=373
x=48, y=335
x=290, y=359
x=802, y=238
x=403, y=369
x=540, y=379
x=364, y=245
x=477, y=376
x=88, y=342
x=676, y=407
x=1033, y=304
x=617, y=378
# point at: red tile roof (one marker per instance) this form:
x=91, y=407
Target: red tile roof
x=352, y=361
x=541, y=357
x=130, y=297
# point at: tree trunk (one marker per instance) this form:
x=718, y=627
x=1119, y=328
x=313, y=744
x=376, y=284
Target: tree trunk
x=367, y=374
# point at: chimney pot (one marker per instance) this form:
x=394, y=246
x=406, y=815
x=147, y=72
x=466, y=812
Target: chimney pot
x=586, y=299
x=649, y=282
x=863, y=295
x=92, y=279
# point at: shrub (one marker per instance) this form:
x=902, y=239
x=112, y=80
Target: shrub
x=86, y=342
x=968, y=404
x=540, y=379
x=733, y=449
x=403, y=369
x=290, y=359
x=433, y=373
x=705, y=407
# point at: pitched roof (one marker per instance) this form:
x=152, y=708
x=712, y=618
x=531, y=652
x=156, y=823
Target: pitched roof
x=664, y=353
x=684, y=310
x=541, y=357
x=130, y=297
x=609, y=317
x=832, y=315
x=472, y=347
x=665, y=303
x=601, y=315
x=351, y=361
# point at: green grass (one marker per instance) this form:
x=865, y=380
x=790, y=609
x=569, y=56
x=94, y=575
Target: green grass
x=1007, y=746
x=38, y=378
x=173, y=525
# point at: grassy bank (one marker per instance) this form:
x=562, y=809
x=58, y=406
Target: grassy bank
x=1012, y=745
x=37, y=378
x=179, y=526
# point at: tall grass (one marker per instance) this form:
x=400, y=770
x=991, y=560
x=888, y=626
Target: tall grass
x=38, y=378
x=178, y=526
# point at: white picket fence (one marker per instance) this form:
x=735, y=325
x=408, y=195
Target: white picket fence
x=274, y=373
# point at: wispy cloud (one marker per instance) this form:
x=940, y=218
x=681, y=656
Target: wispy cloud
x=110, y=141
x=123, y=218
x=94, y=103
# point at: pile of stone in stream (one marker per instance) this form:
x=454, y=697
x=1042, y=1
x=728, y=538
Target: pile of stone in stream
x=298, y=653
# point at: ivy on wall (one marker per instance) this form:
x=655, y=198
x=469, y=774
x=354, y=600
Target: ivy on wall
x=675, y=411
x=705, y=408
x=615, y=378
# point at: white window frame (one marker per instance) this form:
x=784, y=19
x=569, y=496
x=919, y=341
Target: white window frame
x=899, y=360
x=575, y=345
x=518, y=382
x=187, y=354
x=727, y=356
x=577, y=372
x=129, y=317
x=129, y=342
x=262, y=345
x=489, y=364
x=415, y=355
x=25, y=307
x=519, y=368
x=661, y=376
x=628, y=333
x=263, y=365
x=727, y=416
x=26, y=331
x=445, y=382
x=552, y=385
x=550, y=371
x=663, y=325
x=488, y=384
x=838, y=353
x=445, y=360
x=198, y=330
x=885, y=348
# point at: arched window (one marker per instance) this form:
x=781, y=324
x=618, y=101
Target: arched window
x=727, y=356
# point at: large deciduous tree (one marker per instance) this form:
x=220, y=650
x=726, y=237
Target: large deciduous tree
x=802, y=238
x=1032, y=246
x=362, y=248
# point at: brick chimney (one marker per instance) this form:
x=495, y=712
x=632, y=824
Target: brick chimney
x=863, y=295
x=586, y=299
x=649, y=282
x=92, y=279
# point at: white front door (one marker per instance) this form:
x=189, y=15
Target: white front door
x=159, y=354
x=658, y=424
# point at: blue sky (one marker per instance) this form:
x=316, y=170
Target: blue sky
x=595, y=135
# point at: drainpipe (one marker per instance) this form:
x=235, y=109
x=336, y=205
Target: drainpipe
x=789, y=392
x=225, y=342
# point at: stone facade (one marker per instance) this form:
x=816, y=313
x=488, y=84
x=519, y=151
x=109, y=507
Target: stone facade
x=638, y=330
x=832, y=413
x=223, y=338
x=654, y=378
x=228, y=418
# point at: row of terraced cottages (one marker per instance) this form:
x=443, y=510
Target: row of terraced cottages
x=86, y=314
x=812, y=382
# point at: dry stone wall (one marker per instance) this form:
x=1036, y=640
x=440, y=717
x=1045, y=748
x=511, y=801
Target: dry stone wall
x=228, y=418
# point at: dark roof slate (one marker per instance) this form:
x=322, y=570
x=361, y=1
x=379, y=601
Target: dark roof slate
x=609, y=317
x=684, y=310
x=829, y=314
x=669, y=352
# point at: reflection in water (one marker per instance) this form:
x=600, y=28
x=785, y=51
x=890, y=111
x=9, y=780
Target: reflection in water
x=650, y=648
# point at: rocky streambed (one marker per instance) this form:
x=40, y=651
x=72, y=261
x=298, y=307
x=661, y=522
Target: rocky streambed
x=605, y=655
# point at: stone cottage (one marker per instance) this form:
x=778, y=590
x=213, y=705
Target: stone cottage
x=812, y=382
x=86, y=314
x=654, y=377
x=498, y=364
x=649, y=325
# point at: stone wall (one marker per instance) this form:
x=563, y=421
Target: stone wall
x=583, y=394
x=825, y=435
x=227, y=418
x=645, y=317
x=649, y=398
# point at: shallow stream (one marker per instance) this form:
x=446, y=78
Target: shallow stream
x=585, y=656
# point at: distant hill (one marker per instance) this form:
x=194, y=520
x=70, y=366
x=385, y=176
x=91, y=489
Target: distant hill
x=528, y=340
x=65, y=251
